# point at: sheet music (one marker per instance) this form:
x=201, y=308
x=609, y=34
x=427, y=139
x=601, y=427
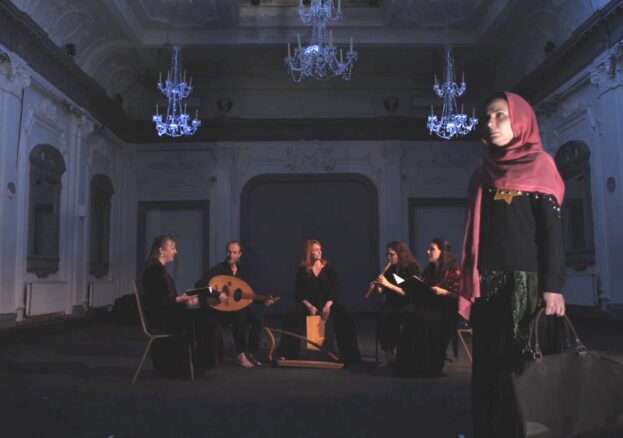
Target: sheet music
x=398, y=279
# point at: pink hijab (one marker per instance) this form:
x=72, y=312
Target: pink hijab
x=521, y=165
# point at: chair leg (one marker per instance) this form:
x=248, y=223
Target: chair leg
x=376, y=346
x=140, y=365
x=192, y=366
x=469, y=354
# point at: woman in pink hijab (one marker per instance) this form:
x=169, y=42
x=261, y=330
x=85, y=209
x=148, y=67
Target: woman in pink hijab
x=513, y=256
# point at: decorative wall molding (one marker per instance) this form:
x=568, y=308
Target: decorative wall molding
x=14, y=76
x=570, y=113
x=45, y=110
x=309, y=158
x=435, y=166
x=608, y=71
x=85, y=126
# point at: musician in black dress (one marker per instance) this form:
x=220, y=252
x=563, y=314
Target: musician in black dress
x=397, y=304
x=435, y=313
x=246, y=323
x=167, y=312
x=317, y=291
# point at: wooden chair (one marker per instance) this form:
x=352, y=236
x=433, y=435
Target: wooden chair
x=154, y=337
x=461, y=332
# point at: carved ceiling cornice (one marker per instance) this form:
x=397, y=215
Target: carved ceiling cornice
x=21, y=35
x=602, y=30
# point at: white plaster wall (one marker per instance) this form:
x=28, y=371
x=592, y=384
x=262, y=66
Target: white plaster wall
x=33, y=112
x=589, y=108
x=218, y=173
x=13, y=79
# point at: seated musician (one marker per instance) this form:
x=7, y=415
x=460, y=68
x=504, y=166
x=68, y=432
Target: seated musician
x=397, y=304
x=246, y=323
x=316, y=291
x=166, y=311
x=444, y=277
x=422, y=350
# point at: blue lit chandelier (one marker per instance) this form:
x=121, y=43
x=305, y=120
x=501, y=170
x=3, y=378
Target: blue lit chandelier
x=452, y=123
x=176, y=121
x=320, y=59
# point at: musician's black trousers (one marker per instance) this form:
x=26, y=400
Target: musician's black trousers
x=345, y=333
x=390, y=319
x=246, y=327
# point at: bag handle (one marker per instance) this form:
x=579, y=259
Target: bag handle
x=534, y=345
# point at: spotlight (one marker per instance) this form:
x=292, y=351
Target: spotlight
x=549, y=48
x=390, y=104
x=70, y=49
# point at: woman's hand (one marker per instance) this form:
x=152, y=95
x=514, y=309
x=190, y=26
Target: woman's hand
x=187, y=299
x=440, y=290
x=382, y=281
x=326, y=309
x=223, y=298
x=554, y=303
x=311, y=308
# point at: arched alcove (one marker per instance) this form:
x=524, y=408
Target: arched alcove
x=46, y=169
x=573, y=161
x=279, y=212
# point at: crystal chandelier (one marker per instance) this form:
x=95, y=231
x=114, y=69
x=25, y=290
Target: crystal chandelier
x=452, y=122
x=176, y=121
x=320, y=59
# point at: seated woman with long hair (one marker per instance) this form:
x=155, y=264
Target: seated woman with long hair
x=167, y=312
x=317, y=292
x=397, y=304
x=422, y=350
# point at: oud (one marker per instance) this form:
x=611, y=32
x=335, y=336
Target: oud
x=239, y=294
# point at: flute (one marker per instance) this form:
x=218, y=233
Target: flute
x=373, y=285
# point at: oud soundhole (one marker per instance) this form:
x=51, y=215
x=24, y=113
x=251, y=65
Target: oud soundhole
x=238, y=294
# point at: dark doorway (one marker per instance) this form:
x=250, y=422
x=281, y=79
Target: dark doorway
x=279, y=213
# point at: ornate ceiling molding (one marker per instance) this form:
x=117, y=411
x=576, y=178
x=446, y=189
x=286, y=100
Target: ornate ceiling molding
x=586, y=43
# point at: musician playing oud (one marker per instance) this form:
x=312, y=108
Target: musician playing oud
x=246, y=323
x=397, y=304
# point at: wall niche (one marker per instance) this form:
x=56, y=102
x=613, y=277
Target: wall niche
x=46, y=169
x=573, y=161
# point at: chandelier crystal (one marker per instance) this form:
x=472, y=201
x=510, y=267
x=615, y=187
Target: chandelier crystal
x=176, y=120
x=321, y=59
x=452, y=122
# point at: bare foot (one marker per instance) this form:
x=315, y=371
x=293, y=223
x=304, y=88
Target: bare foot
x=244, y=362
x=253, y=360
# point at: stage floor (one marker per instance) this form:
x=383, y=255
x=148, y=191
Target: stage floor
x=74, y=381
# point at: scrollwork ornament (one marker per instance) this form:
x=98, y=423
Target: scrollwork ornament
x=608, y=73
x=85, y=126
x=14, y=77
x=309, y=159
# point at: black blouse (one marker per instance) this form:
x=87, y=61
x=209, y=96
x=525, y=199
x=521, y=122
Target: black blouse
x=222, y=268
x=317, y=290
x=525, y=235
x=391, y=297
x=159, y=289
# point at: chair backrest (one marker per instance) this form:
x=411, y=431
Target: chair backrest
x=141, y=311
